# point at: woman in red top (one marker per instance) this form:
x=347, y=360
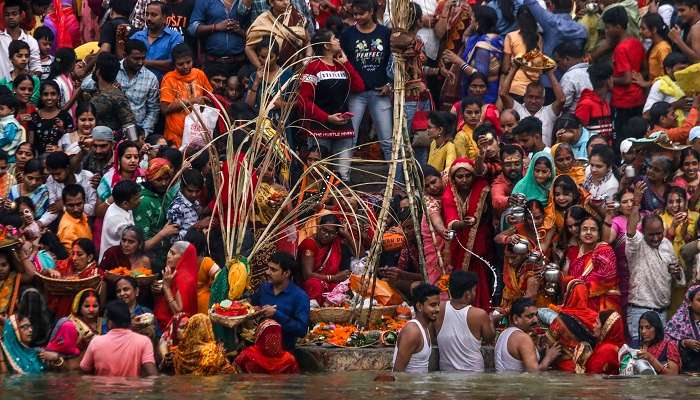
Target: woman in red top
x=661, y=352
x=321, y=257
x=179, y=292
x=267, y=356
x=323, y=99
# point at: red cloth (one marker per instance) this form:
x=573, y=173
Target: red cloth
x=267, y=356
x=479, y=238
x=226, y=176
x=627, y=56
x=184, y=283
x=587, y=319
x=595, y=114
x=604, y=359
x=61, y=304
x=598, y=269
x=326, y=262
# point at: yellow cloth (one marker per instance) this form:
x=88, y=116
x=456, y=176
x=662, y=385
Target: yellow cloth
x=670, y=88
x=264, y=209
x=204, y=281
x=590, y=22
x=198, y=353
x=678, y=240
x=70, y=229
x=656, y=59
x=86, y=49
x=465, y=143
x=687, y=79
x=442, y=158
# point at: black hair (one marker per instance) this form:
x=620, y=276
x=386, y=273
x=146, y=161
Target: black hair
x=652, y=317
x=534, y=204
x=519, y=305
x=528, y=29
x=483, y=130
x=121, y=7
x=429, y=170
x=21, y=78
x=123, y=146
x=330, y=219
x=528, y=125
x=636, y=127
x=164, y=8
x=83, y=107
x=422, y=292
x=468, y=101
x=416, y=14
x=107, y=65
x=658, y=110
x=44, y=85
x=477, y=75
x=182, y=50
x=507, y=10
x=24, y=200
x=569, y=49
x=563, y=6
x=33, y=165
x=445, y=120
x=118, y=313
x=132, y=281
x=673, y=59
x=267, y=43
x=198, y=240
x=174, y=156
x=63, y=63
x=616, y=16
x=15, y=3
x=654, y=22
x=689, y=3
x=568, y=185
x=365, y=5
x=334, y=24
x=72, y=190
x=212, y=70
x=44, y=32
x=124, y=191
x=605, y=153
x=15, y=46
x=677, y=190
x=320, y=39
x=32, y=305
x=486, y=19
x=192, y=178
x=689, y=151
x=577, y=329
x=600, y=73
x=4, y=156
x=133, y=44
x=86, y=245
x=9, y=101
x=567, y=121
x=511, y=149
x=57, y=160
x=286, y=262
x=461, y=282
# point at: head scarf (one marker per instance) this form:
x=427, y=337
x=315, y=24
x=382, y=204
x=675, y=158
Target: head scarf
x=64, y=340
x=170, y=334
x=117, y=167
x=198, y=353
x=613, y=330
x=267, y=354
x=185, y=283
x=576, y=297
x=19, y=357
x=158, y=167
x=529, y=186
x=682, y=326
x=576, y=172
x=85, y=333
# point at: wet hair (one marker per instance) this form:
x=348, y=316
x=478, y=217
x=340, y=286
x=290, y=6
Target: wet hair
x=181, y=50
x=673, y=59
x=658, y=110
x=44, y=32
x=616, y=16
x=32, y=305
x=569, y=49
x=486, y=19
x=599, y=74
x=654, y=22
x=445, y=120
x=469, y=101
x=652, y=317
x=508, y=149
x=133, y=44
x=528, y=29
x=33, y=165
x=422, y=292
x=461, y=282
x=605, y=153
x=124, y=191
x=86, y=245
x=107, y=65
x=319, y=40
x=192, y=178
x=72, y=190
x=528, y=125
x=140, y=236
x=63, y=63
x=15, y=46
x=42, y=88
x=118, y=313
x=83, y=107
x=567, y=185
x=57, y=160
x=676, y=190
x=577, y=329
x=519, y=305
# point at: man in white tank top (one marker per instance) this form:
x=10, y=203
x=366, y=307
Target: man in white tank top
x=413, y=347
x=515, y=351
x=462, y=328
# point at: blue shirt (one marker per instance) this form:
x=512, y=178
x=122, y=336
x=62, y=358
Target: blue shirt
x=557, y=28
x=161, y=48
x=209, y=12
x=292, y=310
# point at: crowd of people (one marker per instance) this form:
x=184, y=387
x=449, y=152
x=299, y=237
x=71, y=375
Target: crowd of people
x=566, y=187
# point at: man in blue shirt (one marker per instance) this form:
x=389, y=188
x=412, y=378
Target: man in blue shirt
x=282, y=300
x=222, y=25
x=159, y=39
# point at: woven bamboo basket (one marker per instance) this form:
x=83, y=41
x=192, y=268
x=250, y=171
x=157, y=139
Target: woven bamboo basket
x=342, y=315
x=143, y=280
x=69, y=286
x=229, y=322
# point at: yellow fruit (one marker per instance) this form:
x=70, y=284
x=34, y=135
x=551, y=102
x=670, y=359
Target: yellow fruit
x=237, y=279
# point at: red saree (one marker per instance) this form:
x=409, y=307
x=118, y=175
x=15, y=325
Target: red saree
x=478, y=238
x=267, y=356
x=575, y=352
x=61, y=304
x=326, y=262
x=184, y=283
x=604, y=359
x=598, y=269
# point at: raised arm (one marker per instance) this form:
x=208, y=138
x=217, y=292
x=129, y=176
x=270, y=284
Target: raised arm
x=633, y=219
x=559, y=98
x=504, y=90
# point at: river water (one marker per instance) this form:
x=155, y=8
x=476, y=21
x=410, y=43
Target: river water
x=351, y=385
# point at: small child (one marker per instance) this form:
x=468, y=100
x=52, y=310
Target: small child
x=184, y=210
x=18, y=50
x=127, y=196
x=233, y=89
x=11, y=132
x=45, y=37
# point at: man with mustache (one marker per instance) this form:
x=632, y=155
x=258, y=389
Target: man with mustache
x=413, y=347
x=515, y=351
x=512, y=171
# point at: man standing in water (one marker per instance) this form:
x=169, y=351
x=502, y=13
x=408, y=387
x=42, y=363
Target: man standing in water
x=413, y=348
x=515, y=351
x=462, y=328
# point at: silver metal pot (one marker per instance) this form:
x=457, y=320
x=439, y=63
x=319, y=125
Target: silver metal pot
x=521, y=247
x=551, y=273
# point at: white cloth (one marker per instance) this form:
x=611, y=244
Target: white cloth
x=418, y=364
x=650, y=280
x=656, y=96
x=56, y=190
x=607, y=189
x=545, y=114
x=34, y=57
x=115, y=220
x=459, y=349
x=666, y=13
x=430, y=40
x=572, y=84
x=505, y=362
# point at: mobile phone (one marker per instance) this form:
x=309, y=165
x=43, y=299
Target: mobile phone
x=347, y=115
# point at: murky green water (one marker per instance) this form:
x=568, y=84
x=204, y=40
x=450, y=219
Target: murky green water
x=355, y=385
